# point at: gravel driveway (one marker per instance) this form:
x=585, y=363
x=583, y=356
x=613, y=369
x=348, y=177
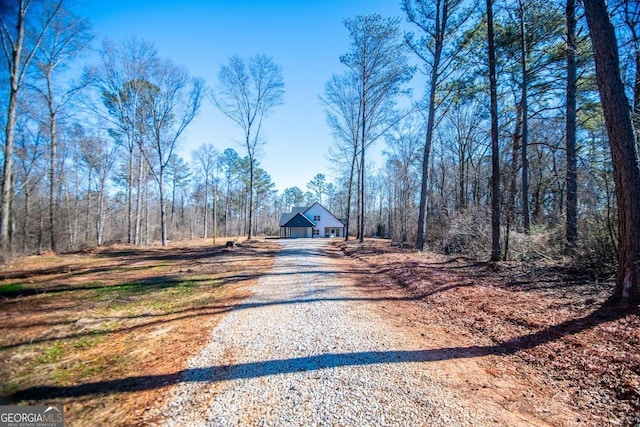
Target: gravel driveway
x=306, y=349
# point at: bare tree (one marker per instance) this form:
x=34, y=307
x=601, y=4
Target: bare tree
x=462, y=135
x=378, y=61
x=66, y=37
x=99, y=157
x=30, y=151
x=14, y=18
x=404, y=142
x=121, y=79
x=207, y=158
x=171, y=105
x=438, y=48
x=179, y=174
x=247, y=92
x=343, y=115
x=622, y=140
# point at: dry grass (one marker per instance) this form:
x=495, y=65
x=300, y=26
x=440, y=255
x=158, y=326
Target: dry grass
x=107, y=332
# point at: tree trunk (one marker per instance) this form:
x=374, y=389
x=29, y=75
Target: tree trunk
x=73, y=236
x=215, y=210
x=14, y=85
x=440, y=27
x=147, y=217
x=100, y=214
x=227, y=210
x=424, y=183
x=130, y=233
x=362, y=181
x=633, y=24
x=17, y=66
x=41, y=226
x=572, y=159
x=636, y=94
x=513, y=182
x=87, y=212
x=173, y=203
x=359, y=170
x=163, y=208
x=463, y=172
x=205, y=226
x=52, y=164
x=25, y=220
x=141, y=178
x=350, y=190
x=623, y=150
x=7, y=190
x=526, y=217
x=250, y=207
x=495, y=154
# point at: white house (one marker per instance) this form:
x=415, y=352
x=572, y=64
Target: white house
x=314, y=221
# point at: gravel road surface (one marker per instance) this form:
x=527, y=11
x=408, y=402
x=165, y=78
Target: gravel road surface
x=306, y=349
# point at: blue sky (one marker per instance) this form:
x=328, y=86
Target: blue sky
x=305, y=37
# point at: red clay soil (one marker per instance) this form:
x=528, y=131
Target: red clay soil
x=547, y=322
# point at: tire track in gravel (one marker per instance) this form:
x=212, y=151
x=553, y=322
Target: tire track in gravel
x=305, y=350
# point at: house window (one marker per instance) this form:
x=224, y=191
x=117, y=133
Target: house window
x=316, y=217
x=316, y=232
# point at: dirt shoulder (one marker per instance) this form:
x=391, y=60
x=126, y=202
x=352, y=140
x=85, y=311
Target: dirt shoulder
x=107, y=332
x=535, y=339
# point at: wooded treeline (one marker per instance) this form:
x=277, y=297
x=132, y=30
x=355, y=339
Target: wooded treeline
x=526, y=174
x=446, y=135
x=90, y=153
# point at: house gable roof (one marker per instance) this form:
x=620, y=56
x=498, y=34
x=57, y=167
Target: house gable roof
x=298, y=220
x=318, y=208
x=301, y=217
x=285, y=217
